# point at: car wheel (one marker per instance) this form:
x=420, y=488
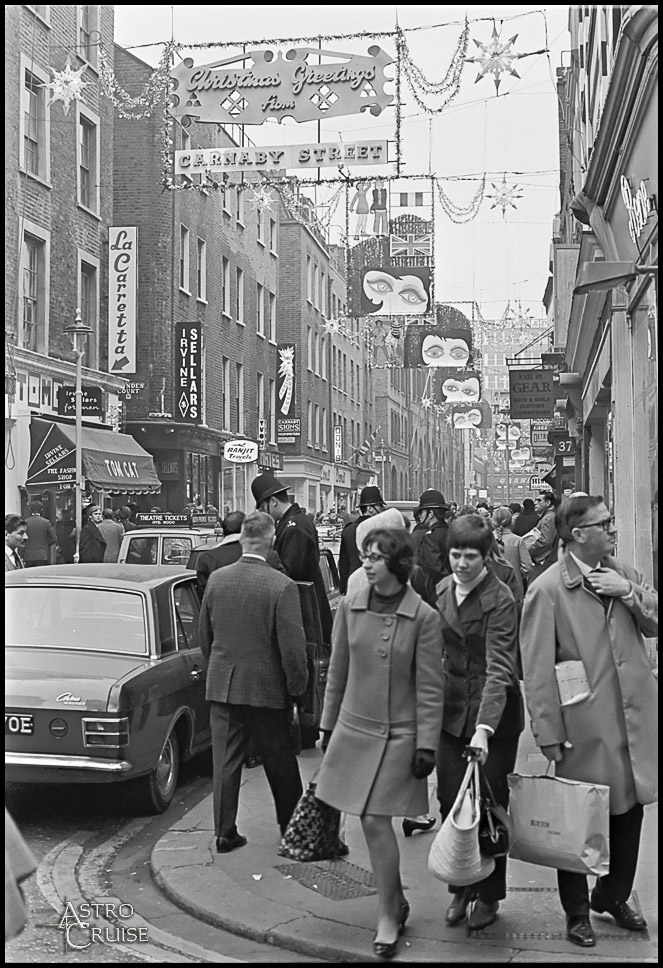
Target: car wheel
x=154, y=792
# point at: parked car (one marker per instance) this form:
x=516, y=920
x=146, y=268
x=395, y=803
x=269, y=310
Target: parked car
x=163, y=546
x=104, y=677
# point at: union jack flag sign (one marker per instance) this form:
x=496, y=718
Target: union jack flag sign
x=410, y=244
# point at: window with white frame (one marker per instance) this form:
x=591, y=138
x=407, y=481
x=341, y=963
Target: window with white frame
x=325, y=442
x=239, y=302
x=309, y=347
x=323, y=360
x=272, y=317
x=260, y=395
x=35, y=121
x=239, y=396
x=88, y=26
x=260, y=309
x=225, y=281
x=272, y=410
x=323, y=293
x=317, y=425
x=317, y=353
x=184, y=258
x=33, y=324
x=228, y=193
x=309, y=424
x=272, y=235
x=201, y=279
x=240, y=206
x=88, y=160
x=309, y=279
x=259, y=226
x=88, y=302
x=225, y=393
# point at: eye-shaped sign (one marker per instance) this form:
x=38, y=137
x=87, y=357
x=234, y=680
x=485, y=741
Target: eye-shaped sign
x=522, y=454
x=390, y=291
x=501, y=434
x=464, y=386
x=472, y=417
x=430, y=346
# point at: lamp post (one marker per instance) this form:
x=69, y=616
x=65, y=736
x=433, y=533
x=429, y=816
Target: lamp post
x=79, y=333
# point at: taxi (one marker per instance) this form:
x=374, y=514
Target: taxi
x=166, y=539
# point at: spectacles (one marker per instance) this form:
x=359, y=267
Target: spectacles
x=373, y=558
x=606, y=524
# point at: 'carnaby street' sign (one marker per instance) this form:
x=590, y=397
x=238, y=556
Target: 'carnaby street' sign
x=284, y=157
x=260, y=85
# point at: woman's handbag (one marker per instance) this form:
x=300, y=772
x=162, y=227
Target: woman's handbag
x=313, y=831
x=454, y=856
x=495, y=825
x=560, y=823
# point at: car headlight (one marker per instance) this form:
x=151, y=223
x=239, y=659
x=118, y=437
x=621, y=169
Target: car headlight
x=110, y=733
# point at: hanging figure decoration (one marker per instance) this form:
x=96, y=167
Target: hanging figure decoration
x=287, y=377
x=360, y=200
x=379, y=208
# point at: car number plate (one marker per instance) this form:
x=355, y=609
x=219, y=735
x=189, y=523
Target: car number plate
x=19, y=724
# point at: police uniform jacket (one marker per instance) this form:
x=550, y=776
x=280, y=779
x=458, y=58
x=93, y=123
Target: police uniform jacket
x=296, y=542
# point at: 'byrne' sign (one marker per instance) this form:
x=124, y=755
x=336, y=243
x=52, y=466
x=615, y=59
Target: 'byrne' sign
x=260, y=85
x=122, y=266
x=288, y=157
x=531, y=394
x=188, y=374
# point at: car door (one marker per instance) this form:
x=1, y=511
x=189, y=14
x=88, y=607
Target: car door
x=187, y=614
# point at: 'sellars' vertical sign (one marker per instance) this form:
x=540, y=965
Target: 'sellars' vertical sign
x=188, y=372
x=122, y=275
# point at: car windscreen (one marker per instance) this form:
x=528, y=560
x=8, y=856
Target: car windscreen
x=90, y=619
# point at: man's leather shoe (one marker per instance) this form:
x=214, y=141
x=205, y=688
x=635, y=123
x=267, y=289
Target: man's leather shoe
x=624, y=915
x=579, y=930
x=482, y=915
x=225, y=844
x=458, y=908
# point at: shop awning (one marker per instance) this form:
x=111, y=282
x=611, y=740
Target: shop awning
x=111, y=462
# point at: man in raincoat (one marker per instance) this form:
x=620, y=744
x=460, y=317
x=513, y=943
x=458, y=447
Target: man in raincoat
x=592, y=607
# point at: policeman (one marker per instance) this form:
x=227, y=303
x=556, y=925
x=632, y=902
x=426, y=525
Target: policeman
x=370, y=503
x=432, y=555
x=295, y=541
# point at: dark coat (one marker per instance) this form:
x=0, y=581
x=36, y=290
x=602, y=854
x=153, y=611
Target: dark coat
x=92, y=545
x=252, y=636
x=227, y=553
x=433, y=557
x=296, y=543
x=41, y=535
x=383, y=701
x=348, y=554
x=524, y=522
x=480, y=659
x=614, y=731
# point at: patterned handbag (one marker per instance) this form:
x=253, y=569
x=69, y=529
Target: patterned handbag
x=313, y=831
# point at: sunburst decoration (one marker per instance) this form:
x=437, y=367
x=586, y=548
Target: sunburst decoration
x=505, y=195
x=260, y=198
x=333, y=326
x=496, y=58
x=426, y=403
x=67, y=85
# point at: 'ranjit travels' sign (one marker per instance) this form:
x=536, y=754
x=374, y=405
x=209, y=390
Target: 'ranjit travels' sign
x=260, y=85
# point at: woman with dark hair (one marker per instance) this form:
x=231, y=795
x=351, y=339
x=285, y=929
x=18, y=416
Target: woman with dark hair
x=483, y=707
x=382, y=714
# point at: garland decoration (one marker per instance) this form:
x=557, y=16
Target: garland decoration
x=457, y=213
x=156, y=89
x=421, y=86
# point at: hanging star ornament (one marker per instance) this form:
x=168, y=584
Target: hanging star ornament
x=261, y=198
x=505, y=195
x=426, y=403
x=333, y=326
x=496, y=58
x=67, y=85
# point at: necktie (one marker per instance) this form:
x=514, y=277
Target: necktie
x=17, y=560
x=605, y=599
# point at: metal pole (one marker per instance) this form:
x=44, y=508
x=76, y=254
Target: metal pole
x=78, y=351
x=508, y=458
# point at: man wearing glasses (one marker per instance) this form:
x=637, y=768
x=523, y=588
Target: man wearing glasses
x=592, y=607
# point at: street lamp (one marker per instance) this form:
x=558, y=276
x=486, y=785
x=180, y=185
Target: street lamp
x=79, y=333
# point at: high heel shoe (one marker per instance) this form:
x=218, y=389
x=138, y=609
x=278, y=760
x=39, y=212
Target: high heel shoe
x=410, y=825
x=405, y=914
x=385, y=950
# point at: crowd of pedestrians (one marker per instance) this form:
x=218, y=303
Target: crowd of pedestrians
x=444, y=635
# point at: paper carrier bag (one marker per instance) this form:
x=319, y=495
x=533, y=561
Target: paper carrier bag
x=560, y=823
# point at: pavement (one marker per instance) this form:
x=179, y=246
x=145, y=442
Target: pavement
x=327, y=909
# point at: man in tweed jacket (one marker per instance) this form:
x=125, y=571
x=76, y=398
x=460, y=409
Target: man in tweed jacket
x=254, y=648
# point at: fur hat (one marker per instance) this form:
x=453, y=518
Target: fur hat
x=391, y=518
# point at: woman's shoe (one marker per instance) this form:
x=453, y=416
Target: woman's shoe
x=424, y=823
x=405, y=914
x=457, y=910
x=385, y=950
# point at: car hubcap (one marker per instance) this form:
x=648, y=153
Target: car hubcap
x=165, y=772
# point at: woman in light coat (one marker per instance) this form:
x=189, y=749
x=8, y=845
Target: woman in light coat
x=382, y=714
x=512, y=546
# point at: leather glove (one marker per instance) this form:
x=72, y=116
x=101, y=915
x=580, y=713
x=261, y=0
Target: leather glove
x=423, y=763
x=326, y=736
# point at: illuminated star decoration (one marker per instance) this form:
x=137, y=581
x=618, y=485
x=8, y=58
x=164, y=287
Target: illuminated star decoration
x=332, y=326
x=505, y=195
x=67, y=85
x=261, y=198
x=426, y=403
x=496, y=58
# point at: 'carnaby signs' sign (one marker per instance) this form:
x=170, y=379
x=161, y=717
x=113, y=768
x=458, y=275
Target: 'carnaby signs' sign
x=122, y=262
x=188, y=375
x=260, y=85
x=274, y=157
x=531, y=394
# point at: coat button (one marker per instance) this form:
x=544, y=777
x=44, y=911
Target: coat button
x=383, y=729
x=384, y=636
x=382, y=651
x=387, y=621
